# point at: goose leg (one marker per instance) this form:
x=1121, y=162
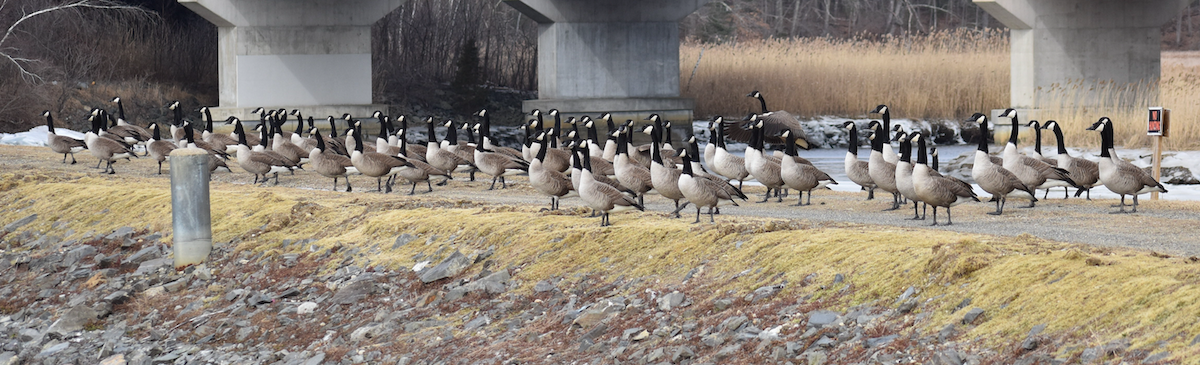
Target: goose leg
x=387, y=188
x=710, y=217
x=740, y=184
x=1135, y=204
x=503, y=184
x=1122, y=205
x=276, y=178
x=98, y=163
x=895, y=202
x=347, y=184
x=1065, y=195
x=160, y=167
x=72, y=159
x=335, y=183
x=111, y=170
x=800, y=200
x=999, y=206
x=916, y=214
x=924, y=210
x=494, y=178
x=948, y=221
x=766, y=197
x=65, y=158
x=780, y=195
x=379, y=183
x=428, y=185
x=697, y=215
x=870, y=193
x=934, y=216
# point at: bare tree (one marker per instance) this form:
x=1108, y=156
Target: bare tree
x=22, y=63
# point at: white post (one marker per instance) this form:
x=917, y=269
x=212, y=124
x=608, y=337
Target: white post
x=191, y=217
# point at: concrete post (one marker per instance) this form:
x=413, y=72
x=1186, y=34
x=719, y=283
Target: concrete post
x=312, y=55
x=619, y=56
x=1085, y=42
x=191, y=217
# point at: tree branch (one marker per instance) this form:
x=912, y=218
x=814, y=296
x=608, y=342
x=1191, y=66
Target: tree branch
x=84, y=4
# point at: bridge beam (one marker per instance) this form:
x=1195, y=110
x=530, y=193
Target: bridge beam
x=619, y=56
x=313, y=55
x=1081, y=42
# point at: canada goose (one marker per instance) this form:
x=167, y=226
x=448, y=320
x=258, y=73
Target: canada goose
x=933, y=188
x=259, y=163
x=376, y=165
x=664, y=179
x=799, y=176
x=383, y=141
x=549, y=182
x=438, y=157
x=858, y=171
x=1119, y=175
x=601, y=197
x=137, y=133
x=1037, y=145
x=330, y=164
x=556, y=134
x=305, y=144
x=62, y=144
x=724, y=163
x=463, y=150
x=600, y=166
x=110, y=129
x=774, y=122
x=630, y=174
x=532, y=128
x=216, y=156
x=764, y=168
x=710, y=148
x=1086, y=173
x=157, y=148
x=237, y=133
x=904, y=172
x=556, y=158
x=993, y=178
x=698, y=171
x=665, y=131
x=224, y=141
x=498, y=165
x=420, y=171
x=283, y=145
x=577, y=170
x=610, y=140
x=889, y=155
x=1033, y=172
x=263, y=148
x=883, y=173
x=176, y=120
x=703, y=192
x=105, y=149
x=489, y=142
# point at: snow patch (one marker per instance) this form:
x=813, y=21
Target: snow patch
x=36, y=136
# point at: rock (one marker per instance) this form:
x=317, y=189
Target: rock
x=79, y=254
x=712, y=340
x=644, y=334
x=764, y=292
x=1031, y=343
x=544, y=286
x=963, y=304
x=682, y=353
x=120, y=233
x=732, y=324
x=728, y=351
x=1090, y=355
x=722, y=304
x=151, y=266
x=451, y=266
x=495, y=283
x=53, y=348
x=817, y=358
x=366, y=332
x=838, y=279
x=1153, y=358
x=306, y=308
x=907, y=306
x=143, y=255
x=972, y=315
x=353, y=292
x=73, y=320
x=316, y=360
x=881, y=341
x=477, y=323
x=590, y=318
x=202, y=272
x=420, y=325
x=948, y=357
x=907, y=293
x=117, y=297
x=1115, y=347
x=945, y=333
x=12, y=227
x=821, y=318
x=10, y=358
x=672, y=300
x=176, y=285
x=403, y=239
x=153, y=291
x=1177, y=175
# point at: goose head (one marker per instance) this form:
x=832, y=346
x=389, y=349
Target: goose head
x=606, y=116
x=173, y=105
x=258, y=110
x=571, y=120
x=482, y=113
x=754, y=94
x=1033, y=124
x=653, y=117
x=552, y=112
x=1049, y=123
x=448, y=124
x=46, y=113
x=880, y=109
x=376, y=114
x=1008, y=113
x=849, y=125
x=648, y=129
x=588, y=123
x=1099, y=125
x=116, y=99
x=979, y=118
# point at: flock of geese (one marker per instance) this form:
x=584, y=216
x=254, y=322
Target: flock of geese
x=612, y=174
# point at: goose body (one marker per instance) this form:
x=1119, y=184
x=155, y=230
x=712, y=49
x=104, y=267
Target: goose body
x=603, y=198
x=994, y=178
x=329, y=164
x=858, y=171
x=703, y=191
x=800, y=176
x=420, y=171
x=764, y=168
x=259, y=163
x=497, y=165
x=1118, y=175
x=883, y=173
x=1086, y=173
x=732, y=167
x=889, y=154
x=105, y=149
x=664, y=179
x=438, y=157
x=157, y=148
x=548, y=182
x=774, y=123
x=630, y=174
x=1033, y=172
x=62, y=144
x=374, y=164
x=934, y=189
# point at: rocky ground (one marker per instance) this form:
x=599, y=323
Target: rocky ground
x=114, y=298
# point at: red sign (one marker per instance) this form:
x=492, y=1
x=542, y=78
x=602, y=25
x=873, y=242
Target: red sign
x=1158, y=121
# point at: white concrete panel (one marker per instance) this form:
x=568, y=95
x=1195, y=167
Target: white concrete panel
x=267, y=80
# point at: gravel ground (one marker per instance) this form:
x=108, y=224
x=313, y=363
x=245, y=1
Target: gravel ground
x=1159, y=225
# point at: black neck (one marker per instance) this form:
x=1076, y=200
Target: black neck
x=403, y=143
x=720, y=135
x=485, y=130
x=241, y=132
x=611, y=128
x=1106, y=140
x=1012, y=136
x=121, y=110
x=790, y=149
x=358, y=143
x=687, y=166
x=983, y=136
x=582, y=156
x=1037, y=139
x=332, y=128
x=694, y=150
x=432, y=132
x=50, y=123
x=299, y=123
x=262, y=140
x=622, y=147
x=187, y=134
x=853, y=143
x=320, y=141
x=452, y=134
x=887, y=119
x=156, y=135
x=666, y=133
x=592, y=135
x=310, y=123
x=383, y=128
x=541, y=155
x=655, y=154
x=763, y=103
x=905, y=149
x=922, y=158
x=1058, y=135
x=208, y=125
x=878, y=139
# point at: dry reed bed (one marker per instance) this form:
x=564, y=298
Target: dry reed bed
x=946, y=75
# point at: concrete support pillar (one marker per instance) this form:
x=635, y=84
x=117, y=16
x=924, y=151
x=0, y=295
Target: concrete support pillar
x=619, y=56
x=314, y=55
x=191, y=215
x=1084, y=42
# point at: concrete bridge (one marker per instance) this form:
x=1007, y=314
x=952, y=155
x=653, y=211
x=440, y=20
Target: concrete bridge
x=622, y=56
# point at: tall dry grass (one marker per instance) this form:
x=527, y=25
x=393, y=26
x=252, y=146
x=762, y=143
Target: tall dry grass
x=946, y=75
